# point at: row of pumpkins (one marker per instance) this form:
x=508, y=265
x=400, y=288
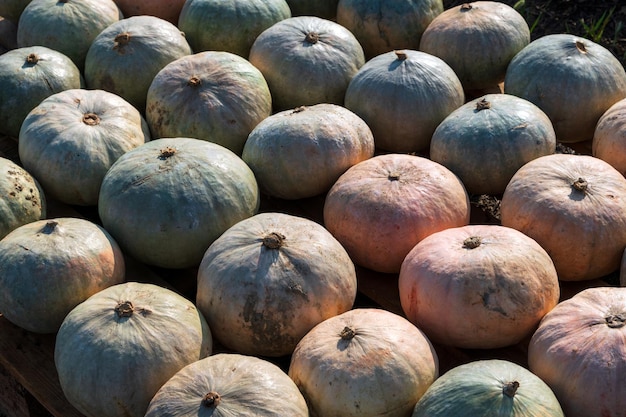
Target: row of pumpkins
x=176, y=127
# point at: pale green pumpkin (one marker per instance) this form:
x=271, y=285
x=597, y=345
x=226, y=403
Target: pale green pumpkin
x=384, y=25
x=27, y=76
x=22, y=200
x=489, y=387
x=208, y=24
x=70, y=140
x=213, y=95
x=167, y=200
x=67, y=26
x=48, y=267
x=117, y=348
x=126, y=56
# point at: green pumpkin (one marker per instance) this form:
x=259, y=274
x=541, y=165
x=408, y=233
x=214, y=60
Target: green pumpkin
x=572, y=79
x=167, y=200
x=22, y=200
x=489, y=387
x=384, y=25
x=70, y=140
x=27, y=76
x=124, y=58
x=306, y=60
x=67, y=26
x=214, y=96
x=208, y=24
x=488, y=139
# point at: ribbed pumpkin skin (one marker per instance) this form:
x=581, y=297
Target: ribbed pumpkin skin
x=247, y=386
x=300, y=153
x=126, y=56
x=23, y=200
x=380, y=208
x=167, y=200
x=208, y=24
x=584, y=231
x=365, y=362
x=306, y=60
x=326, y=9
x=266, y=281
x=200, y=96
x=478, y=389
x=384, y=25
x=552, y=67
x=27, y=76
x=478, y=40
x=403, y=96
x=112, y=359
x=477, y=286
x=579, y=351
x=66, y=26
x=488, y=139
x=80, y=259
x=71, y=139
x=609, y=138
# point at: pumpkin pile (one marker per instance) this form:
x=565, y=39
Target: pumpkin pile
x=278, y=150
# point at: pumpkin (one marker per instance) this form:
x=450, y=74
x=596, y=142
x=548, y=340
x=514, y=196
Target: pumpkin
x=379, y=209
x=70, y=140
x=200, y=96
x=403, y=96
x=364, y=362
x=12, y=9
x=573, y=206
x=478, y=40
x=488, y=387
x=609, y=137
x=8, y=35
x=22, y=199
x=488, y=139
x=552, y=65
x=578, y=350
x=306, y=60
x=116, y=349
x=229, y=384
x=300, y=153
x=384, y=25
x=167, y=200
x=267, y=280
x=165, y=9
x=478, y=286
x=326, y=9
x=208, y=24
x=48, y=267
x=27, y=76
x=126, y=56
x=67, y=26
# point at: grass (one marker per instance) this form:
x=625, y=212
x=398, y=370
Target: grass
x=595, y=30
x=520, y=6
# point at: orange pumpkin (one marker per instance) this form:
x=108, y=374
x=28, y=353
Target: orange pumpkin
x=380, y=208
x=574, y=206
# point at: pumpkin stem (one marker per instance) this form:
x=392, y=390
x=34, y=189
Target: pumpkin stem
x=49, y=227
x=121, y=40
x=581, y=46
x=124, y=309
x=482, y=104
x=167, y=152
x=32, y=59
x=466, y=7
x=299, y=109
x=510, y=388
x=347, y=333
x=194, y=81
x=472, y=242
x=312, y=38
x=580, y=185
x=393, y=176
x=615, y=321
x=91, y=119
x=211, y=399
x=401, y=55
x=274, y=240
